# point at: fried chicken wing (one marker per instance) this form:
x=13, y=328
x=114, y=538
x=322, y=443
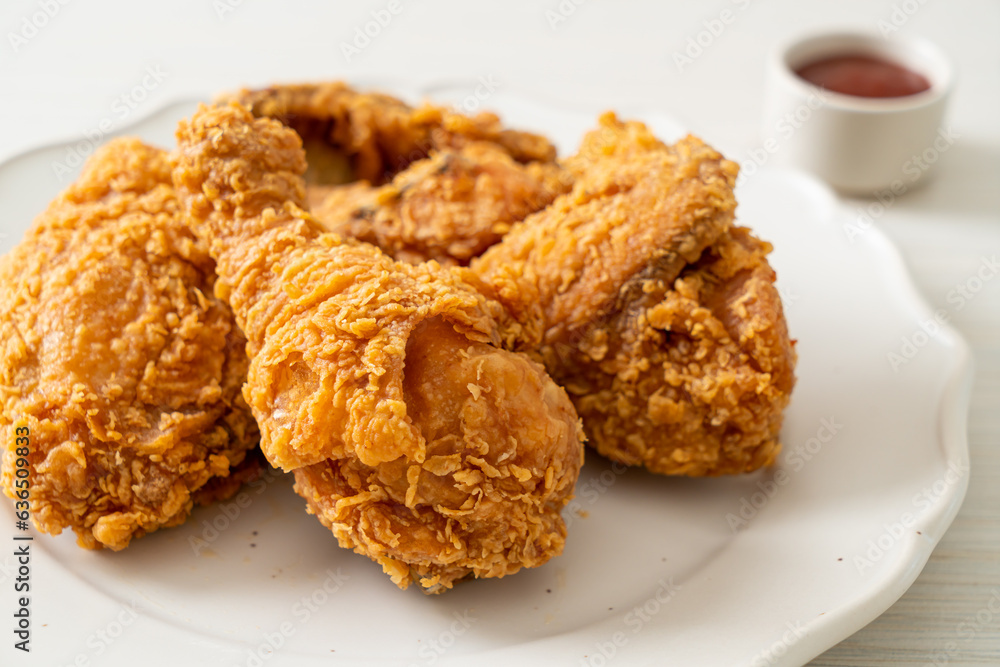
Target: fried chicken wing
x=659, y=317
x=413, y=436
x=118, y=360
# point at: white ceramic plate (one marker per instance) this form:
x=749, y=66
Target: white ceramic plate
x=765, y=569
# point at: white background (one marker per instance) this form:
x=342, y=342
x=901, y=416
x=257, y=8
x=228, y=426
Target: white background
x=66, y=78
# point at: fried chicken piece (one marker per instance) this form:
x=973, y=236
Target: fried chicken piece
x=659, y=318
x=690, y=376
x=449, y=207
x=416, y=439
x=457, y=183
x=118, y=360
x=379, y=135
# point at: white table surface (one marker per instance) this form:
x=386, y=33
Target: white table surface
x=65, y=78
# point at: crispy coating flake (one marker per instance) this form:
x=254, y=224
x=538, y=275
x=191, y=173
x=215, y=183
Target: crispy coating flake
x=119, y=360
x=416, y=439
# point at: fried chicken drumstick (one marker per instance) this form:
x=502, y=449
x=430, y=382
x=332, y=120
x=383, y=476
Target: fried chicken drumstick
x=413, y=436
x=117, y=361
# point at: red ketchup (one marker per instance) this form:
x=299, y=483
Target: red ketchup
x=863, y=76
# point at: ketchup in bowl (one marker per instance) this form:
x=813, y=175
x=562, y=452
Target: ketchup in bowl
x=863, y=76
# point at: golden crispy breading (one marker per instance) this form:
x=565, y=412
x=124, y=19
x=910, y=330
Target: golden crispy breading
x=379, y=383
x=449, y=207
x=378, y=134
x=457, y=182
x=659, y=318
x=472, y=506
x=620, y=140
x=690, y=376
x=118, y=358
x=631, y=212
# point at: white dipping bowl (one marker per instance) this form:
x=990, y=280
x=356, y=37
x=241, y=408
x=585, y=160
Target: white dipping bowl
x=859, y=145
